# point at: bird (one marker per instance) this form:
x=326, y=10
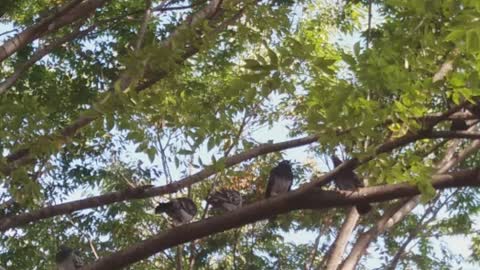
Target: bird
x=458, y=125
x=225, y=200
x=181, y=210
x=348, y=180
x=68, y=259
x=280, y=179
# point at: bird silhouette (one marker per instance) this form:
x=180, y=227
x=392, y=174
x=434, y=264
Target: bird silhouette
x=68, y=259
x=348, y=180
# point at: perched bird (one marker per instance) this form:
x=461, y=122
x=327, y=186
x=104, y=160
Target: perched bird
x=181, y=210
x=458, y=124
x=280, y=179
x=348, y=180
x=225, y=200
x=68, y=259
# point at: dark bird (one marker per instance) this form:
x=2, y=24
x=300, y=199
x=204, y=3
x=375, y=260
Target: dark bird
x=68, y=259
x=458, y=124
x=225, y=200
x=181, y=210
x=280, y=179
x=348, y=180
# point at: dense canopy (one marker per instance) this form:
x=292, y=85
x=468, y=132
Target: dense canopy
x=112, y=107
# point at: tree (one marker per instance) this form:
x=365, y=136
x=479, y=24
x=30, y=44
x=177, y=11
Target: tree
x=110, y=107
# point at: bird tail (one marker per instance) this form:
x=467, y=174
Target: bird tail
x=363, y=208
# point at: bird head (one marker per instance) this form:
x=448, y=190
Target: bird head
x=162, y=207
x=285, y=163
x=336, y=161
x=63, y=253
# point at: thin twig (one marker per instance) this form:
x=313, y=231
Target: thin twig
x=143, y=27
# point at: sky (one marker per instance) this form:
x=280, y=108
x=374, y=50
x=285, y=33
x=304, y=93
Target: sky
x=279, y=132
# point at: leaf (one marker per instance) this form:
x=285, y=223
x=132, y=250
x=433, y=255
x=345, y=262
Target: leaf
x=273, y=57
x=151, y=152
x=177, y=162
x=252, y=64
x=473, y=41
x=356, y=49
x=349, y=59
x=455, y=35
x=210, y=143
x=184, y=152
x=109, y=122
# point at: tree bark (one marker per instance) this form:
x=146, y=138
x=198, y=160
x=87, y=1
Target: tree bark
x=421, y=225
x=387, y=221
x=340, y=243
x=392, y=217
x=143, y=192
x=209, y=13
x=294, y=200
x=313, y=254
x=71, y=12
x=39, y=54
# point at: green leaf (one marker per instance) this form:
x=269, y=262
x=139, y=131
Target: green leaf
x=273, y=57
x=151, y=152
x=252, y=64
x=184, y=152
x=455, y=35
x=473, y=41
x=210, y=143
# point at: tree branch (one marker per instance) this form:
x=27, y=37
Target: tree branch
x=67, y=14
x=143, y=27
x=390, y=218
x=421, y=225
x=142, y=192
x=454, y=135
x=39, y=54
x=297, y=199
x=340, y=243
x=210, y=13
x=313, y=254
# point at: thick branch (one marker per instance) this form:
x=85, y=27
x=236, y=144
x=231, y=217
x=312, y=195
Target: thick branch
x=209, y=13
x=312, y=199
x=143, y=27
x=340, y=243
x=39, y=54
x=387, y=221
x=393, y=216
x=142, y=192
x=71, y=12
x=446, y=67
x=454, y=135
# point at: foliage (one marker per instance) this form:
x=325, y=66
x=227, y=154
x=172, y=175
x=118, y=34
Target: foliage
x=211, y=92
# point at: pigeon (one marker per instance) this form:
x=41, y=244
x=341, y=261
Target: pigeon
x=280, y=179
x=348, y=180
x=458, y=124
x=68, y=259
x=225, y=200
x=181, y=210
